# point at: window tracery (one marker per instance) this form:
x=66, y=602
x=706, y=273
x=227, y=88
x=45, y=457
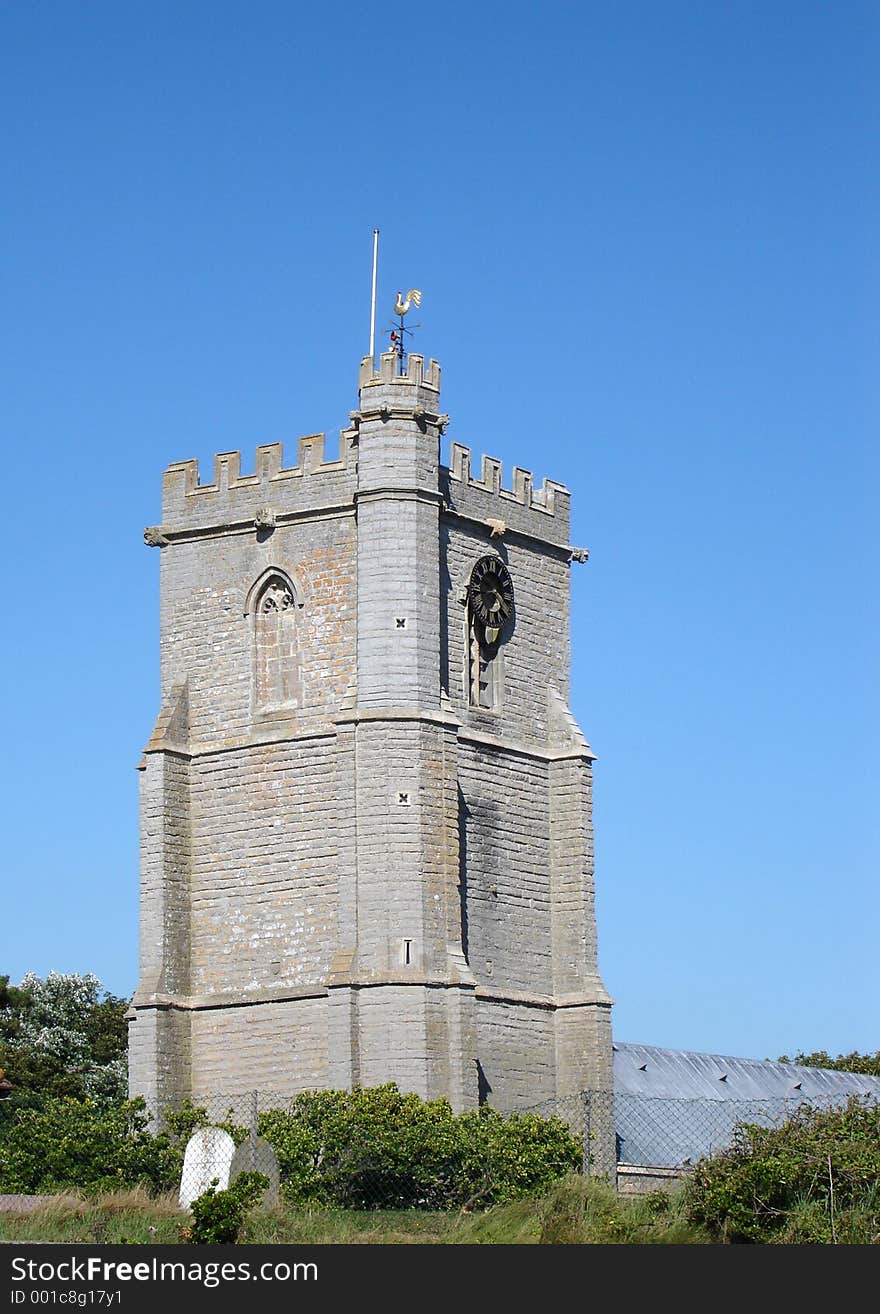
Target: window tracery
x=277, y=657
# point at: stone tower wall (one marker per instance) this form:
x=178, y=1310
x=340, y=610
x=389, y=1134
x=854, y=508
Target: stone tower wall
x=240, y=804
x=525, y=780
x=536, y=650
x=360, y=876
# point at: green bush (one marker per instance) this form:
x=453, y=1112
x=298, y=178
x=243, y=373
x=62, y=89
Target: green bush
x=219, y=1216
x=380, y=1148
x=806, y=1179
x=73, y=1143
x=363, y=1149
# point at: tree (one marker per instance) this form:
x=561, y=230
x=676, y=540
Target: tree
x=854, y=1062
x=62, y=1036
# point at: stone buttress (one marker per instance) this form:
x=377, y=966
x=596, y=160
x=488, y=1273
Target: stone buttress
x=401, y=993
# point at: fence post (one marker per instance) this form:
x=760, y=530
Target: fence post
x=586, y=1135
x=252, y=1138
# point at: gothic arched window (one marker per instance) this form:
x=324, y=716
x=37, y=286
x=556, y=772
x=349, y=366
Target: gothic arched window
x=277, y=658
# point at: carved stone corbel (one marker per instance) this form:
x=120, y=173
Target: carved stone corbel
x=154, y=536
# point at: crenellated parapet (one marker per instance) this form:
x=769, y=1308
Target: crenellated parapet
x=399, y=425
x=385, y=394
x=542, y=512
x=263, y=498
x=416, y=376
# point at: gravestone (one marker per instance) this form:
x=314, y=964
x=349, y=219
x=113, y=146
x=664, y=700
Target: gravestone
x=258, y=1157
x=208, y=1155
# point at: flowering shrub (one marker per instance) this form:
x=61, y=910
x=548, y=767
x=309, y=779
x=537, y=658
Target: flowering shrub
x=62, y=1036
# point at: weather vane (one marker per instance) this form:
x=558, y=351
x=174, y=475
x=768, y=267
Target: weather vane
x=399, y=331
x=402, y=304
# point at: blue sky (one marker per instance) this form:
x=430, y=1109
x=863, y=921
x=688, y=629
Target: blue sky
x=645, y=235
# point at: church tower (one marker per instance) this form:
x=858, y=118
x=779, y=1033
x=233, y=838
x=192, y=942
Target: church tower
x=366, y=806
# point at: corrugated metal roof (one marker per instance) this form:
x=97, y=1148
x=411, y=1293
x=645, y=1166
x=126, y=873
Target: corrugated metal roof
x=673, y=1106
x=681, y=1074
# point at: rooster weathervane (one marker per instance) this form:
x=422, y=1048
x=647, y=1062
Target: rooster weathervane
x=399, y=331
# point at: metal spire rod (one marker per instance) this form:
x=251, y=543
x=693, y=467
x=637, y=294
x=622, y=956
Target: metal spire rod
x=398, y=339
x=373, y=301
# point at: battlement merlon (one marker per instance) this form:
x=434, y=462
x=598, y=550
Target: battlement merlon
x=385, y=390
x=542, y=512
x=416, y=374
x=233, y=498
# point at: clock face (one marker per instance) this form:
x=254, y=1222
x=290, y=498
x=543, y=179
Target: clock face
x=491, y=592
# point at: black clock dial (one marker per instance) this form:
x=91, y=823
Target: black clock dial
x=491, y=592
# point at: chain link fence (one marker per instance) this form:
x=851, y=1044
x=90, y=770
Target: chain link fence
x=638, y=1142
x=645, y=1141
x=241, y=1110
x=675, y=1133
x=314, y=1155
x=589, y=1115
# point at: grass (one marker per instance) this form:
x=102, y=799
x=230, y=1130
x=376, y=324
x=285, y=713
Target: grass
x=575, y=1212
x=810, y=1222
x=132, y=1215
